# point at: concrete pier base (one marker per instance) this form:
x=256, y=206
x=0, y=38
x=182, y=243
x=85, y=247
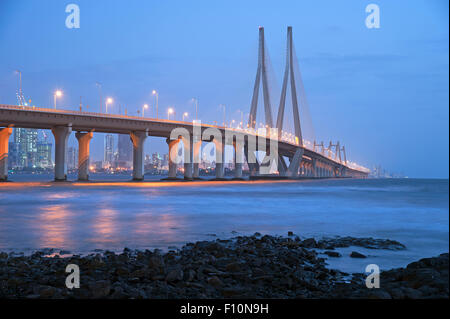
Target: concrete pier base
x=84, y=140
x=61, y=135
x=138, y=139
x=220, y=158
x=173, y=153
x=5, y=133
x=188, y=159
x=237, y=161
x=196, y=146
x=294, y=164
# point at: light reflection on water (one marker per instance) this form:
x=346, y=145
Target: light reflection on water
x=53, y=221
x=81, y=217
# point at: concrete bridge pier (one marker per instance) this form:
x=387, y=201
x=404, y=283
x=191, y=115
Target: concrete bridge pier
x=188, y=159
x=220, y=157
x=252, y=161
x=196, y=146
x=84, y=140
x=5, y=133
x=138, y=139
x=294, y=163
x=61, y=135
x=173, y=154
x=314, y=167
x=319, y=169
x=237, y=160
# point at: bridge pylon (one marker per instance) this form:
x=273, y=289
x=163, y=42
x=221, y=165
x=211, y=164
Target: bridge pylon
x=261, y=76
x=289, y=74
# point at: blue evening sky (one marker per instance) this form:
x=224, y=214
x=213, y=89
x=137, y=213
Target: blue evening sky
x=382, y=92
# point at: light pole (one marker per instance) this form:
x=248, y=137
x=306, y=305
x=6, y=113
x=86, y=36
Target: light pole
x=223, y=106
x=145, y=106
x=185, y=114
x=99, y=85
x=108, y=101
x=169, y=111
x=20, y=87
x=58, y=93
x=196, y=107
x=154, y=92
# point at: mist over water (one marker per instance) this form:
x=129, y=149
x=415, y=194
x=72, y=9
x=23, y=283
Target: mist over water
x=82, y=217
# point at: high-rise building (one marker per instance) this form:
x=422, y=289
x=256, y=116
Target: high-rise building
x=165, y=161
x=125, y=150
x=25, y=140
x=156, y=160
x=108, y=157
x=72, y=158
x=44, y=154
x=12, y=155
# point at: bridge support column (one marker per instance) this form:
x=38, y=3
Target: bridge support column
x=61, y=135
x=294, y=164
x=188, y=158
x=196, y=146
x=138, y=139
x=220, y=157
x=84, y=140
x=5, y=133
x=314, y=167
x=173, y=154
x=237, y=161
x=252, y=161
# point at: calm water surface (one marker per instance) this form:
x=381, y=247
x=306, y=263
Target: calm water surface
x=81, y=217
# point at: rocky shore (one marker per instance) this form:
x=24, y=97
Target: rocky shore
x=243, y=267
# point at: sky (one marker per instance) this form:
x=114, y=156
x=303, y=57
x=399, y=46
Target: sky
x=382, y=92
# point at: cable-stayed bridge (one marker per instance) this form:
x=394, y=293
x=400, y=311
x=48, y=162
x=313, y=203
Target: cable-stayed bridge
x=285, y=154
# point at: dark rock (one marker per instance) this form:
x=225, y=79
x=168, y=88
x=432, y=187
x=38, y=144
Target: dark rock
x=174, y=275
x=332, y=253
x=376, y=293
x=310, y=243
x=215, y=281
x=355, y=254
x=233, y=267
x=100, y=288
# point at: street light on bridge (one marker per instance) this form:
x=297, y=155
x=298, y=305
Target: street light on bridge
x=169, y=111
x=108, y=101
x=58, y=93
x=185, y=114
x=145, y=106
x=154, y=92
x=196, y=107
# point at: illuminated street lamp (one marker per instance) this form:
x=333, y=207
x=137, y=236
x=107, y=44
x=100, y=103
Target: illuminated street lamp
x=224, y=118
x=196, y=107
x=169, y=111
x=154, y=92
x=108, y=101
x=185, y=114
x=145, y=106
x=58, y=93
